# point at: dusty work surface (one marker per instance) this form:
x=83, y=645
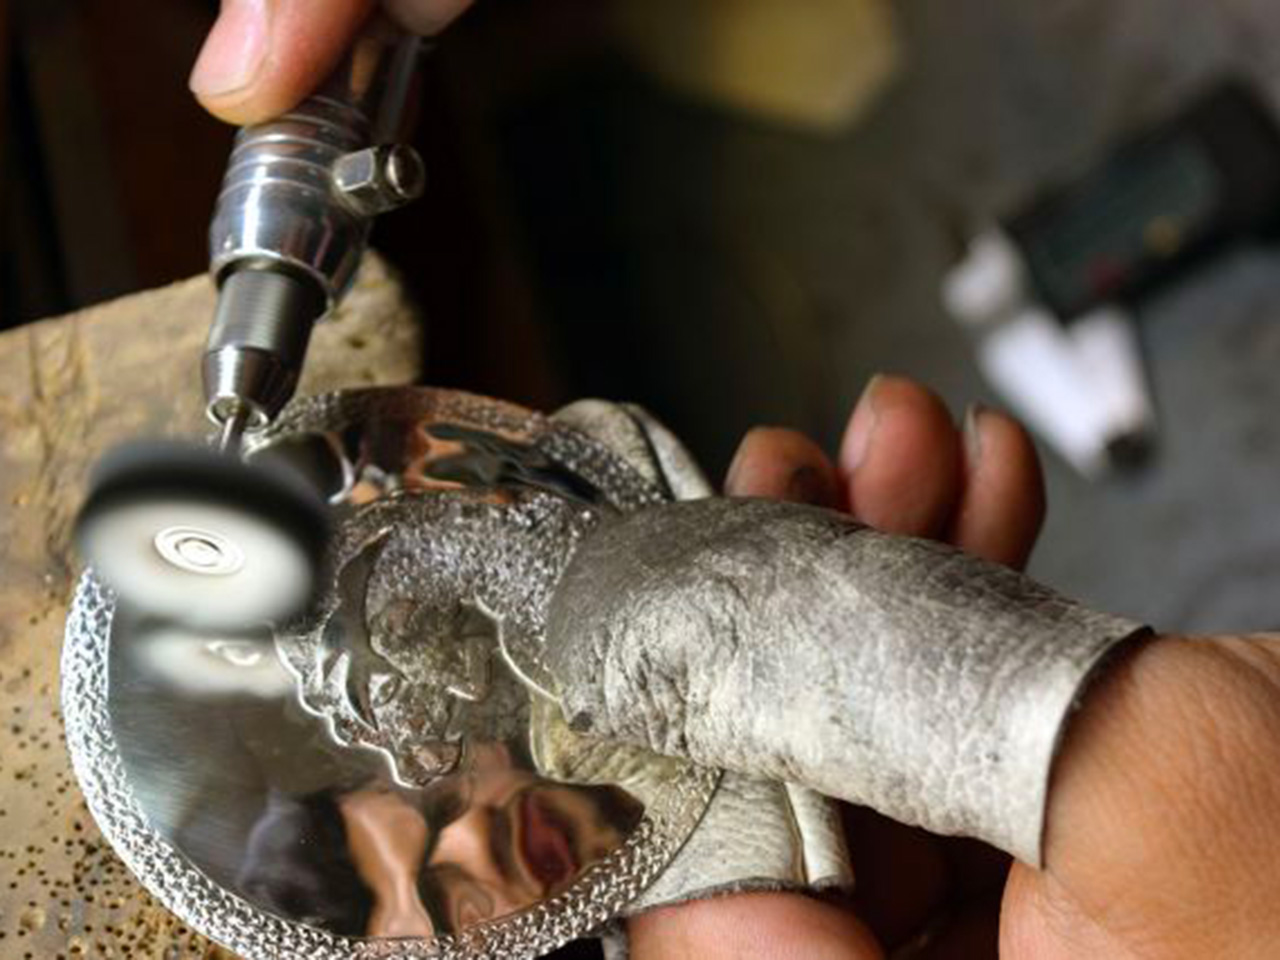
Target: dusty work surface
x=70, y=388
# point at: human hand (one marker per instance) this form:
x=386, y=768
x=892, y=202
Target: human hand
x=1165, y=810
x=263, y=56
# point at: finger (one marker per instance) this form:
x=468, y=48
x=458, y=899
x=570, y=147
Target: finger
x=263, y=56
x=901, y=459
x=752, y=926
x=782, y=465
x=1163, y=812
x=425, y=17
x=1037, y=914
x=1002, y=506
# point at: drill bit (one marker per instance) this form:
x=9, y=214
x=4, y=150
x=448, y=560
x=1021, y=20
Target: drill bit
x=233, y=427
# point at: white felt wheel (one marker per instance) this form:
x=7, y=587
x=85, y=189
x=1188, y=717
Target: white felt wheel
x=197, y=562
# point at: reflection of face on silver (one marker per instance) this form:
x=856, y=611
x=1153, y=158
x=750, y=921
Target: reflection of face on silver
x=431, y=636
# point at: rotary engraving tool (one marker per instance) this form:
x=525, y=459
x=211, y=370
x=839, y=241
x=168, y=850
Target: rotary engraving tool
x=292, y=221
x=198, y=535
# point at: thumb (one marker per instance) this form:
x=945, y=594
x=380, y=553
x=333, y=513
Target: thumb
x=263, y=56
x=1164, y=812
x=751, y=926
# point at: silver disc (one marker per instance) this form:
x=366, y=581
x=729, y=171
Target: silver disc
x=390, y=775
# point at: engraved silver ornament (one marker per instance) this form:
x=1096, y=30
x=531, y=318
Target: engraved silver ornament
x=391, y=775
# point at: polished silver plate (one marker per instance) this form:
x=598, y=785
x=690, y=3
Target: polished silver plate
x=390, y=776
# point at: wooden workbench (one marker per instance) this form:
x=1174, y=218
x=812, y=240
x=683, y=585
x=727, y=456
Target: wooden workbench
x=70, y=388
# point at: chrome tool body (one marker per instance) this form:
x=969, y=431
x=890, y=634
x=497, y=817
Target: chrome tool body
x=197, y=536
x=292, y=221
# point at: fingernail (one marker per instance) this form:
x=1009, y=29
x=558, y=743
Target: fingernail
x=732, y=476
x=973, y=432
x=862, y=427
x=234, y=50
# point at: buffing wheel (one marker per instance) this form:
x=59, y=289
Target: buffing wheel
x=202, y=538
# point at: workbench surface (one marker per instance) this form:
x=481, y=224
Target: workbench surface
x=70, y=388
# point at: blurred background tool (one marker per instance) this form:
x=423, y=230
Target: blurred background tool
x=1048, y=294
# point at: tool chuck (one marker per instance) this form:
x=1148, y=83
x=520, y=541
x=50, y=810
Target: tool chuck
x=257, y=344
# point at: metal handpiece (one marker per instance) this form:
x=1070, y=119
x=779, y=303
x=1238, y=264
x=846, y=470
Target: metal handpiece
x=292, y=221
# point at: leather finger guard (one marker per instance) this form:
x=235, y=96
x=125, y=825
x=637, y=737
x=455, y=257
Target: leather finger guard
x=792, y=643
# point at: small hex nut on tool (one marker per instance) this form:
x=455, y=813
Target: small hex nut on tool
x=377, y=179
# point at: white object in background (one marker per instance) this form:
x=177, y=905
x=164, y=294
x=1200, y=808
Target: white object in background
x=1106, y=342
x=1029, y=362
x=1081, y=387
x=989, y=285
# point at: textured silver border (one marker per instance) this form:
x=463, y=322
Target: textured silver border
x=597, y=897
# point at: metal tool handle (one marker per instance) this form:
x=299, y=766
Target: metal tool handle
x=300, y=190
x=292, y=221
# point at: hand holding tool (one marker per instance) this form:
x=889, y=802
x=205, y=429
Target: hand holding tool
x=208, y=538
